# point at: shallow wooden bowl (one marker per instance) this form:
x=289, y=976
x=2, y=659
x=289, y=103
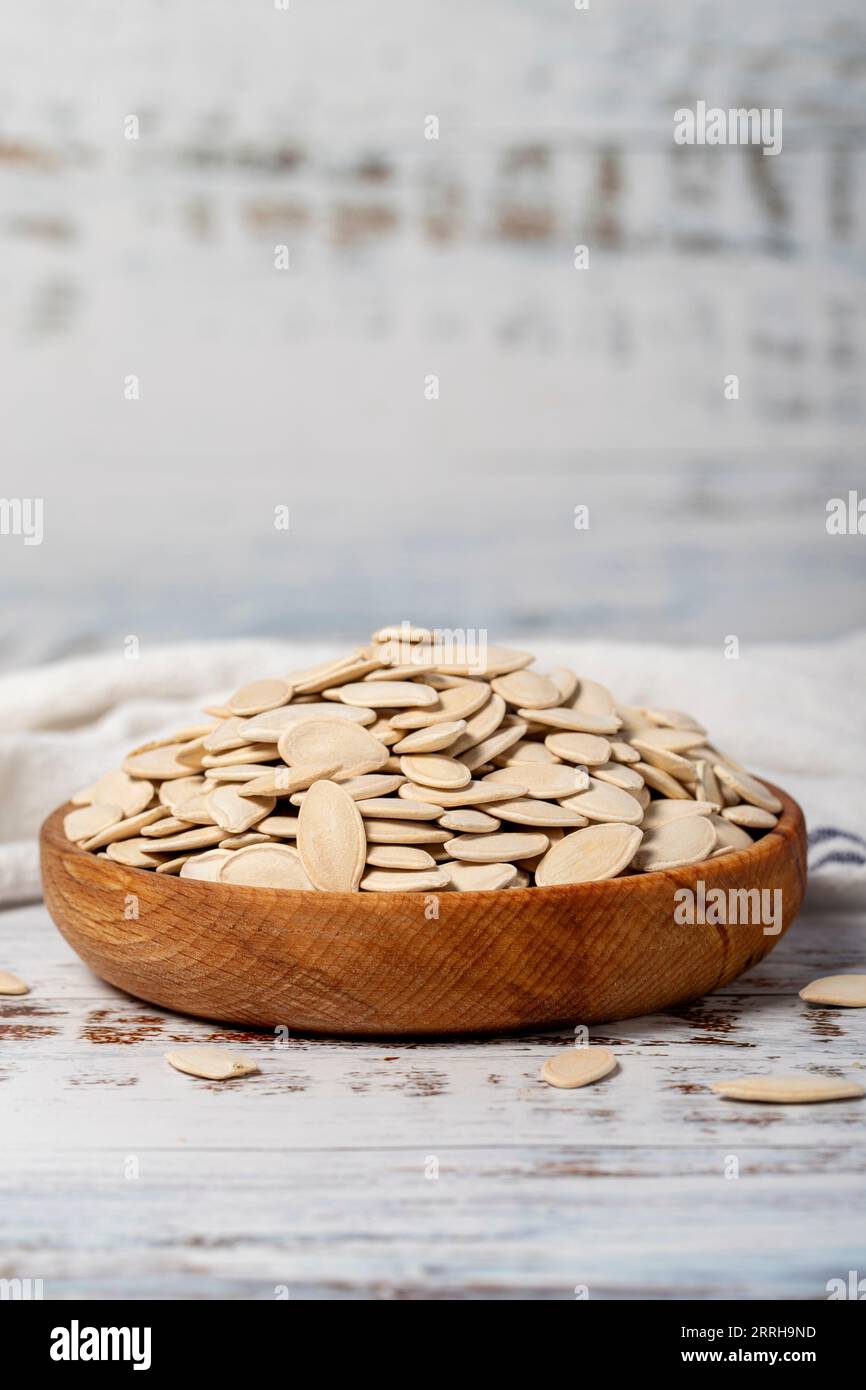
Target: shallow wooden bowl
x=383, y=963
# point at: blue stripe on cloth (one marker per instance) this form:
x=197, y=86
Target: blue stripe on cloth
x=830, y=832
x=840, y=856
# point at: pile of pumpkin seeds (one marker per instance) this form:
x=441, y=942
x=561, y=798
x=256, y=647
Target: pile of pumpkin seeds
x=406, y=767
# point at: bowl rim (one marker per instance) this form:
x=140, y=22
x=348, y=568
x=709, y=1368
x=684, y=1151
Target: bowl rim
x=790, y=824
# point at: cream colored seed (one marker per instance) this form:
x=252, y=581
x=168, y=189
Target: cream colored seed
x=465, y=821
x=747, y=788
x=384, y=831
x=283, y=781
x=135, y=854
x=680, y=842
x=662, y=811
x=88, y=821
x=729, y=838
x=751, y=816
x=433, y=770
x=526, y=751
x=399, y=808
x=156, y=761
x=456, y=703
x=481, y=878
x=604, y=802
x=259, y=696
x=661, y=781
x=577, y=1066
x=586, y=856
x=399, y=857
x=788, y=1090
x=266, y=728
x=542, y=780
x=528, y=688
x=565, y=681
x=480, y=725
x=500, y=847
x=331, y=839
x=205, y=867
x=168, y=825
x=282, y=827
x=210, y=1063
x=475, y=794
x=236, y=813
x=265, y=866
x=403, y=881
x=526, y=811
x=125, y=829
x=431, y=740
x=386, y=694
x=846, y=991
x=572, y=720
x=588, y=750
x=12, y=984
x=351, y=747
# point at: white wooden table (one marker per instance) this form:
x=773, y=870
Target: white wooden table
x=119, y=1177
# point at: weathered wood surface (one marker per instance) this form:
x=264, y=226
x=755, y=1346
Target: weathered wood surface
x=311, y=1175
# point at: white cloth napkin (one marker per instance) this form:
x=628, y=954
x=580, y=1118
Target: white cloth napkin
x=794, y=714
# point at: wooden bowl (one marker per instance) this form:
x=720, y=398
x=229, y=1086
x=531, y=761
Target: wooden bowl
x=368, y=964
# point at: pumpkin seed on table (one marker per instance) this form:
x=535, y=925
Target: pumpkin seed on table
x=577, y=1066
x=587, y=856
x=403, y=881
x=12, y=984
x=331, y=839
x=210, y=1063
x=792, y=1089
x=265, y=866
x=432, y=739
x=846, y=991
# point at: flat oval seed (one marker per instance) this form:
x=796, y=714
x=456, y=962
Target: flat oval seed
x=117, y=788
x=619, y=775
x=432, y=739
x=156, y=761
x=433, y=771
x=88, y=821
x=752, y=816
x=590, y=750
x=661, y=812
x=573, y=720
x=500, y=847
x=668, y=740
x=236, y=813
x=351, y=747
x=587, y=856
x=283, y=781
x=399, y=808
x=661, y=781
x=565, y=681
x=259, y=696
x=489, y=748
x=487, y=661
x=210, y=1063
x=729, y=838
x=465, y=821
x=331, y=839
x=189, y=839
x=621, y=752
x=604, y=802
x=266, y=728
x=474, y=794
x=384, y=831
x=747, y=788
x=459, y=702
x=528, y=688
x=12, y=984
x=526, y=811
x=125, y=829
x=282, y=827
x=480, y=726
x=229, y=733
x=265, y=866
x=205, y=867
x=526, y=751
x=593, y=698
x=400, y=881
x=577, y=1066
x=847, y=991
x=135, y=854
x=481, y=878
x=387, y=694
x=543, y=779
x=788, y=1090
x=399, y=857
x=680, y=842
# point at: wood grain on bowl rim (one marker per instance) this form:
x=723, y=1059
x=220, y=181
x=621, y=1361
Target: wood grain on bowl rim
x=379, y=964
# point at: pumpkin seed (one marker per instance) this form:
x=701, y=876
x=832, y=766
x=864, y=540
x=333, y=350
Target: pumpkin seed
x=210, y=1063
x=788, y=1090
x=848, y=991
x=586, y=856
x=577, y=1066
x=481, y=878
x=12, y=984
x=265, y=866
x=331, y=839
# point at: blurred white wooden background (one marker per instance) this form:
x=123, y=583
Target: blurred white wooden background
x=409, y=257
